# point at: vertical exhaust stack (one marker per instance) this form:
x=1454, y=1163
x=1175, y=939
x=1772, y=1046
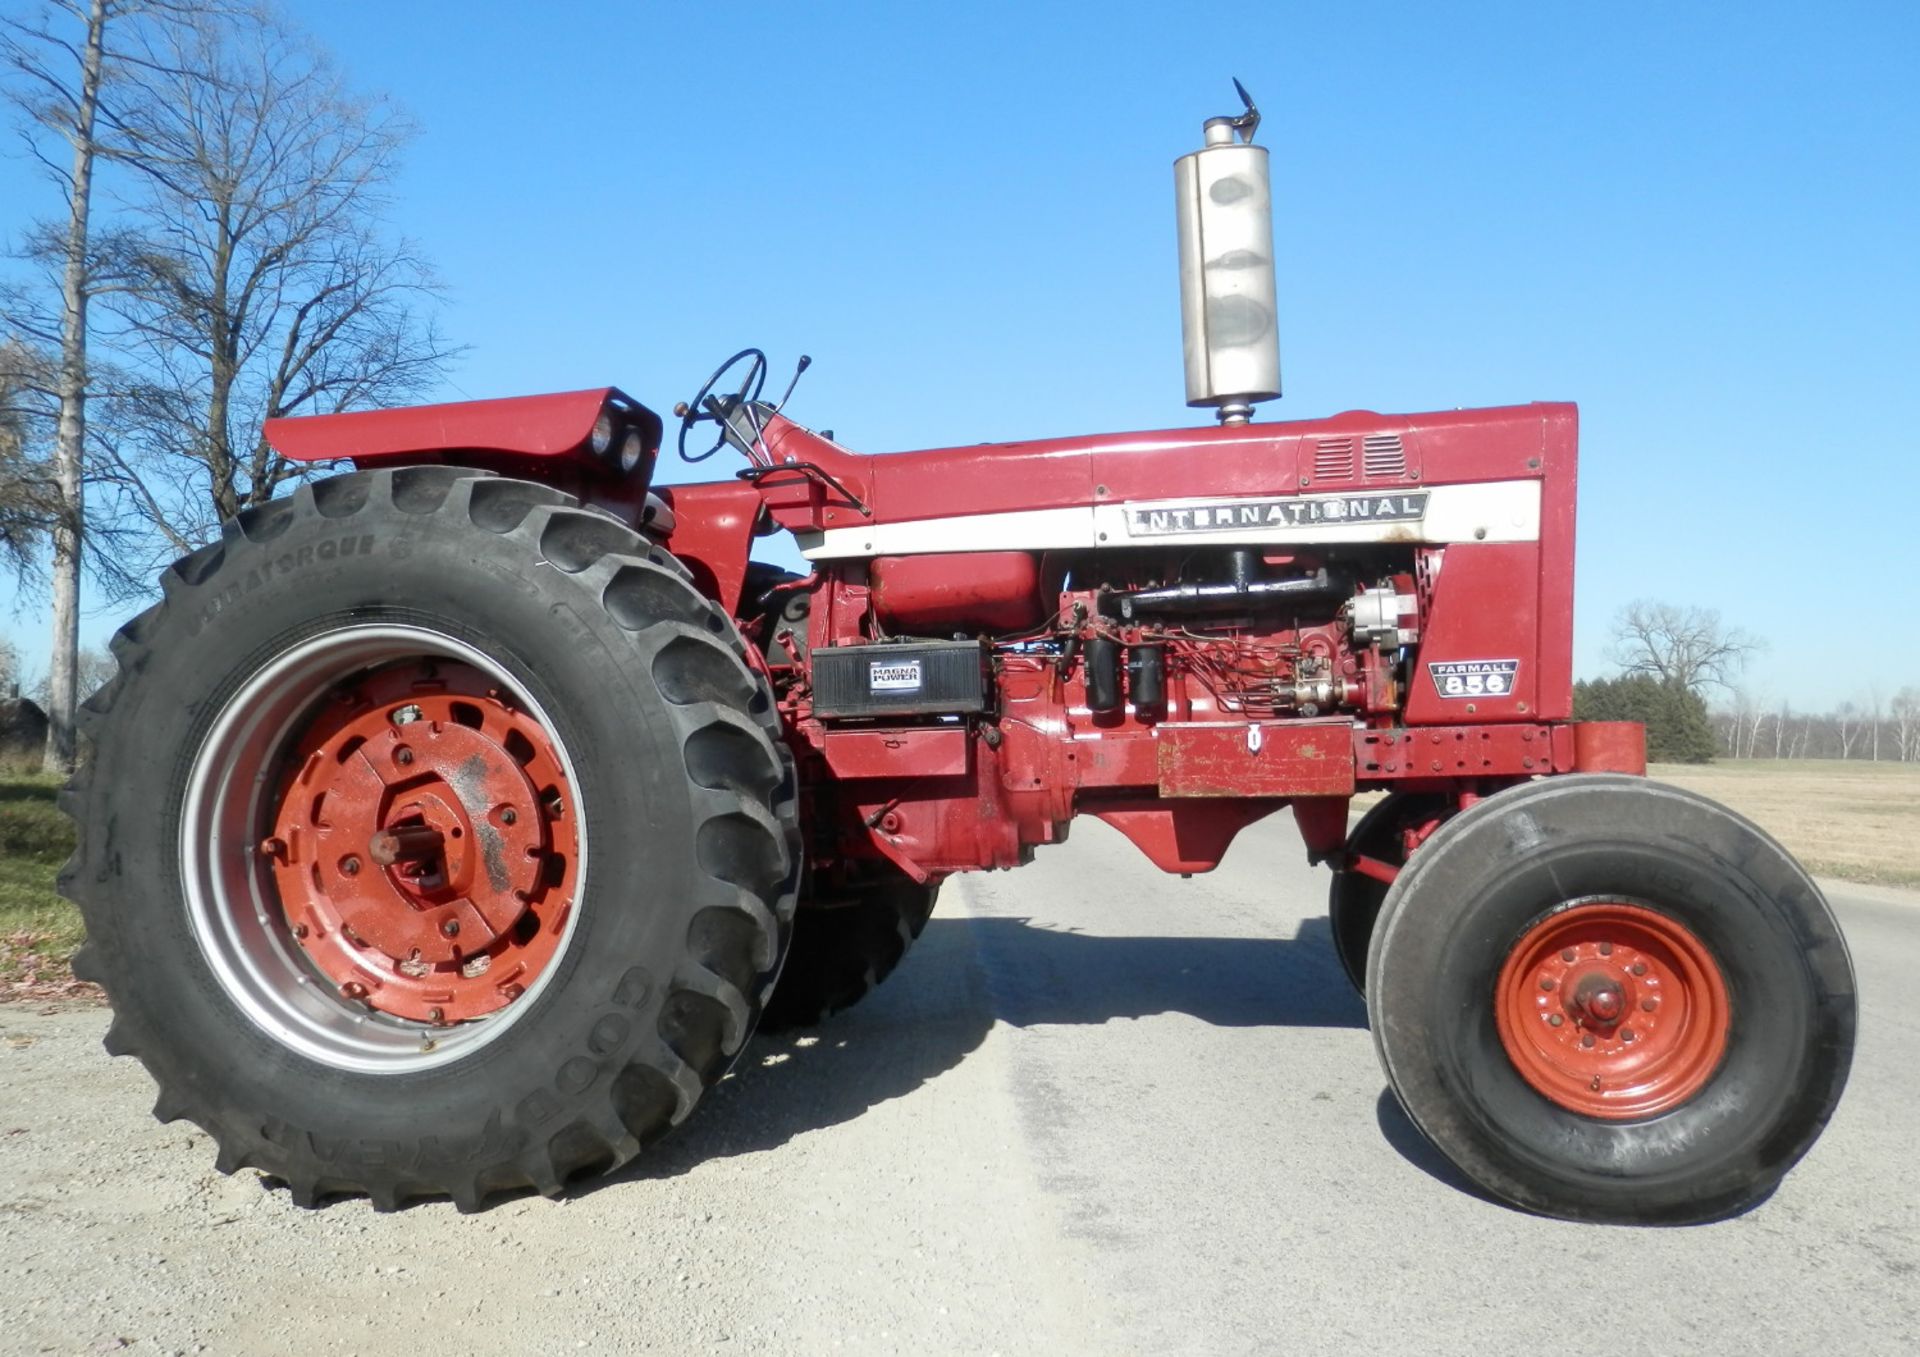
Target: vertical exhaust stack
x=1227, y=315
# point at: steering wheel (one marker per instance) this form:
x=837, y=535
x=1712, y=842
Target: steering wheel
x=706, y=405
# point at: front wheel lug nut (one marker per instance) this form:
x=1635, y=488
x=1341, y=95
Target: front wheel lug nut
x=450, y=929
x=508, y=816
x=299, y=930
x=436, y=1015
x=353, y=989
x=403, y=756
x=349, y=866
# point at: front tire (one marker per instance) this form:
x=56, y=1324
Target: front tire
x=1354, y=898
x=1607, y=999
x=436, y=840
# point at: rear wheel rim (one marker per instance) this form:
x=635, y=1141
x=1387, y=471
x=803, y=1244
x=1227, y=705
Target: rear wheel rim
x=1612, y=1009
x=312, y=879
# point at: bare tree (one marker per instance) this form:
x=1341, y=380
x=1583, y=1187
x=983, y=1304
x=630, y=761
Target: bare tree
x=63, y=69
x=1905, y=710
x=1875, y=710
x=58, y=83
x=1747, y=717
x=1690, y=647
x=28, y=494
x=1846, y=727
x=264, y=285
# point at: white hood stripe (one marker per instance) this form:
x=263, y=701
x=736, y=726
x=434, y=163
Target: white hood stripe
x=1497, y=511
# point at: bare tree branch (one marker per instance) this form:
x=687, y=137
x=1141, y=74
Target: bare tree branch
x=1689, y=647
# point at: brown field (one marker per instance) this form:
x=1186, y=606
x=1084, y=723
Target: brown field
x=1855, y=820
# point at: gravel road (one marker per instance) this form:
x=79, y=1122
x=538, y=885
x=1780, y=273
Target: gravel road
x=1099, y=1110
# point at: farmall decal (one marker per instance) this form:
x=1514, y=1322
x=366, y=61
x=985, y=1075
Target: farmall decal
x=1301, y=511
x=1473, y=678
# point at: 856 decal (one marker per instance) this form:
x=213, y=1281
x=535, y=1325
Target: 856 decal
x=1473, y=678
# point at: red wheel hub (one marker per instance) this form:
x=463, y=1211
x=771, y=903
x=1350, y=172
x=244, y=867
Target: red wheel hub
x=1612, y=1010
x=425, y=844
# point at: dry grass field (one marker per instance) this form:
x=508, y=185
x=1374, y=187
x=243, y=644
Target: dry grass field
x=1855, y=820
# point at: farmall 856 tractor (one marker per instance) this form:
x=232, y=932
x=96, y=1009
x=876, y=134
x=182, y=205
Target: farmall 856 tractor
x=453, y=823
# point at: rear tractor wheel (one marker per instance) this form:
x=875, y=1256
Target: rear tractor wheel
x=436, y=840
x=845, y=943
x=1607, y=999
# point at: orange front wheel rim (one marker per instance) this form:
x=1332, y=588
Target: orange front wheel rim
x=1613, y=1010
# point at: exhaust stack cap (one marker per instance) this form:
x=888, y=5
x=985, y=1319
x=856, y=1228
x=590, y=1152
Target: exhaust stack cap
x=1224, y=199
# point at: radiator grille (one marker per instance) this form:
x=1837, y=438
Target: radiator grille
x=1384, y=456
x=1333, y=459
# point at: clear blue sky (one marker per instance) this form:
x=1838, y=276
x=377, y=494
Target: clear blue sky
x=1702, y=223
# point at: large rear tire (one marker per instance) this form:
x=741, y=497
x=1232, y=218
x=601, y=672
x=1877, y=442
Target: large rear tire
x=436, y=840
x=1607, y=999
x=844, y=948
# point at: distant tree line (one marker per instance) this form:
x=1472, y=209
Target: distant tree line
x=1876, y=726
x=1678, y=729
x=1672, y=658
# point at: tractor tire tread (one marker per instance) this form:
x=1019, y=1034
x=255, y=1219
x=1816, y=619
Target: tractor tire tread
x=740, y=779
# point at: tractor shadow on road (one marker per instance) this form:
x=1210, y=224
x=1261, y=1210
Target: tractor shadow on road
x=964, y=975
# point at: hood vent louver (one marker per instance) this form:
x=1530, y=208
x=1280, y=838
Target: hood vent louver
x=1333, y=459
x=1384, y=455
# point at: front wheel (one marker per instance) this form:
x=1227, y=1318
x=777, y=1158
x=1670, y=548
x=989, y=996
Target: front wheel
x=437, y=840
x=1607, y=999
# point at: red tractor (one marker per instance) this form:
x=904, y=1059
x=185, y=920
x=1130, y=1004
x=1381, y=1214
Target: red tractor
x=452, y=823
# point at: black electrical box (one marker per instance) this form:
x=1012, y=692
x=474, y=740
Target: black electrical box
x=911, y=678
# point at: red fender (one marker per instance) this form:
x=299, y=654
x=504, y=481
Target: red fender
x=520, y=426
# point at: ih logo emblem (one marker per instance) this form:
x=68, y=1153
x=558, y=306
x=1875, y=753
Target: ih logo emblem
x=1473, y=678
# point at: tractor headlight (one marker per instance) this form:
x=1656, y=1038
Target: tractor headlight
x=602, y=438
x=632, y=448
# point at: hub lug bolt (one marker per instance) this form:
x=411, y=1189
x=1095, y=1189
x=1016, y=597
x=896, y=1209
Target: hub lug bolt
x=450, y=929
x=1648, y=1005
x=509, y=816
x=273, y=848
x=349, y=865
x=403, y=756
x=1554, y=1020
x=1569, y=955
x=436, y=1015
x=299, y=930
x=353, y=989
